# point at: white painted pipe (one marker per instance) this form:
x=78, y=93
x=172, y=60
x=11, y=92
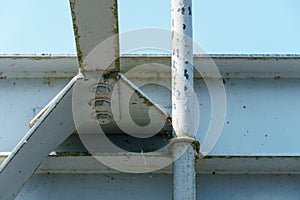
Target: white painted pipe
x=184, y=176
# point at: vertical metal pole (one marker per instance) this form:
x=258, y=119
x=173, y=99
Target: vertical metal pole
x=184, y=176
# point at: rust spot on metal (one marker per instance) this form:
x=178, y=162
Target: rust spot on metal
x=66, y=154
x=190, y=10
x=2, y=77
x=169, y=118
x=40, y=58
x=141, y=96
x=186, y=74
x=116, y=32
x=182, y=10
x=111, y=75
x=196, y=145
x=33, y=122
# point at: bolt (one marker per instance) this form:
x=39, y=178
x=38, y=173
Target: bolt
x=102, y=89
x=104, y=118
x=102, y=105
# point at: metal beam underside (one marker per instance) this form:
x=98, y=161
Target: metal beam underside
x=78, y=163
x=229, y=65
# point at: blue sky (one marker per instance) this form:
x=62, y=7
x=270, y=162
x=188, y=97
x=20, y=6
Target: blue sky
x=231, y=26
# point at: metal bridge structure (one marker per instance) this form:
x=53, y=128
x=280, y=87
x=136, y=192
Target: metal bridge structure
x=51, y=146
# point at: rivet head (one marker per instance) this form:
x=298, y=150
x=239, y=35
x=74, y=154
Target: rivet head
x=102, y=89
x=102, y=105
x=104, y=118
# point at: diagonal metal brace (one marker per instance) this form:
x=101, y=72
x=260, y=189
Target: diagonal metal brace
x=50, y=130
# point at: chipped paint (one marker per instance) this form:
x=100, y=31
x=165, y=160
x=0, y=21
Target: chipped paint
x=76, y=33
x=116, y=32
x=184, y=154
x=37, y=117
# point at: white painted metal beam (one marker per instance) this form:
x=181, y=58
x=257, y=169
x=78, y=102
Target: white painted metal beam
x=208, y=165
x=230, y=66
x=94, y=21
x=38, y=66
x=85, y=164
